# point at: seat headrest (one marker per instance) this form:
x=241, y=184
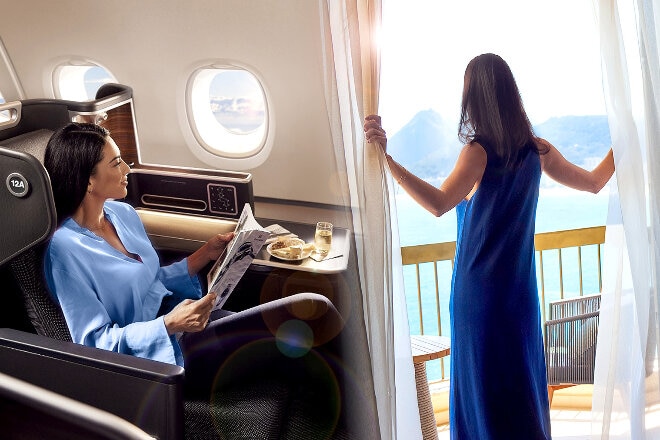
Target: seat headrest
x=33, y=142
x=28, y=215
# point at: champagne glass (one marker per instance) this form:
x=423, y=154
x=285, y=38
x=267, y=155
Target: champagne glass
x=323, y=238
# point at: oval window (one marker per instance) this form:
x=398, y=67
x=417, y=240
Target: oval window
x=229, y=112
x=80, y=81
x=5, y=115
x=8, y=115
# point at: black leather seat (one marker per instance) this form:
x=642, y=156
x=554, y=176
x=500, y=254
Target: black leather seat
x=38, y=349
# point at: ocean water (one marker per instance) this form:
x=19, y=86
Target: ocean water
x=558, y=209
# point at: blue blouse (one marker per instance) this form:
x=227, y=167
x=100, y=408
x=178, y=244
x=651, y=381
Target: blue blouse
x=112, y=301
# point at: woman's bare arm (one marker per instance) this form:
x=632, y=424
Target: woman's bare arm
x=465, y=176
x=467, y=173
x=556, y=166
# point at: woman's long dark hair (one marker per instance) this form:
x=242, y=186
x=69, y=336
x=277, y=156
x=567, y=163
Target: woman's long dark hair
x=70, y=159
x=492, y=111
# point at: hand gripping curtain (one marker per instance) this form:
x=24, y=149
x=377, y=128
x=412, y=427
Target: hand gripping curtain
x=351, y=66
x=626, y=399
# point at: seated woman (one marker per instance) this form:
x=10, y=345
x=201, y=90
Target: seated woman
x=104, y=272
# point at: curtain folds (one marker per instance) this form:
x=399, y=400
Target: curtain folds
x=351, y=68
x=626, y=399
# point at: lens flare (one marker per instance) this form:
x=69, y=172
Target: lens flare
x=294, y=338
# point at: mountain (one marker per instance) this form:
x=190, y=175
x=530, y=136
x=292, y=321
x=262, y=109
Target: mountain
x=583, y=140
x=428, y=145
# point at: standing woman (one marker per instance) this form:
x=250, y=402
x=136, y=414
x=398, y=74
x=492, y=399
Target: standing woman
x=498, y=387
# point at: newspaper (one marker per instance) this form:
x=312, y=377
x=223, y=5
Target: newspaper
x=228, y=270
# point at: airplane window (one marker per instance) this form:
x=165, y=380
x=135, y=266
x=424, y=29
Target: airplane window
x=5, y=115
x=80, y=82
x=228, y=111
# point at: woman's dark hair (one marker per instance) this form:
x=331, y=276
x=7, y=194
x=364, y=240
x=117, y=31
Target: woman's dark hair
x=70, y=159
x=492, y=111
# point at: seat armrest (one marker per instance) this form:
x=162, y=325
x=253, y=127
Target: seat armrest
x=28, y=411
x=148, y=394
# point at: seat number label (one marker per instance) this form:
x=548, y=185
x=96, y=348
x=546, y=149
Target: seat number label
x=17, y=184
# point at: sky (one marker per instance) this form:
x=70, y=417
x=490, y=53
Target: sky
x=551, y=47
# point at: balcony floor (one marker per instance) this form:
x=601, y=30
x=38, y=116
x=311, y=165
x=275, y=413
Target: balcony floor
x=566, y=425
x=570, y=414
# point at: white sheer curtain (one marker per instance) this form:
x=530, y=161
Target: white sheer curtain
x=351, y=66
x=626, y=399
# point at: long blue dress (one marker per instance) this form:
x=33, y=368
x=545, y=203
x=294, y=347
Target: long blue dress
x=498, y=384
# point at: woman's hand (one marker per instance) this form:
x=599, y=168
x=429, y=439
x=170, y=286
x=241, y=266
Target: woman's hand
x=190, y=315
x=374, y=132
x=216, y=245
x=210, y=251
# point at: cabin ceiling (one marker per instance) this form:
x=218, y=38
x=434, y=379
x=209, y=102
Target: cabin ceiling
x=153, y=46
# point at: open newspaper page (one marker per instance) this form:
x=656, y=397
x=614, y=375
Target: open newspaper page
x=228, y=270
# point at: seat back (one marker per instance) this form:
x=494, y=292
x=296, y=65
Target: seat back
x=148, y=394
x=27, y=221
x=28, y=214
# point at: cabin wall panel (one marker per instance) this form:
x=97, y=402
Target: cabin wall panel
x=153, y=46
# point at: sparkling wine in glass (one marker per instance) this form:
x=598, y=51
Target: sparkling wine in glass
x=323, y=238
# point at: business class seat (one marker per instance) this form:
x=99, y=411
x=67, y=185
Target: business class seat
x=284, y=399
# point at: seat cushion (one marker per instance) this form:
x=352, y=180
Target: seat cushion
x=45, y=315
x=249, y=411
x=267, y=409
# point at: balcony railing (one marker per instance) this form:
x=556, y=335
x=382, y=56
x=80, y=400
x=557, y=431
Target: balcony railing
x=568, y=265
